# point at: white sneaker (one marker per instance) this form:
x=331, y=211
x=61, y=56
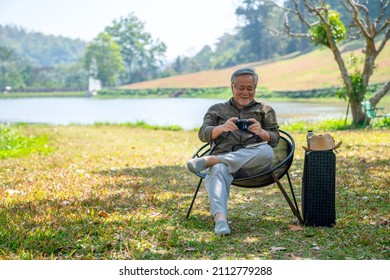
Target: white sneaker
x=196, y=165
x=222, y=228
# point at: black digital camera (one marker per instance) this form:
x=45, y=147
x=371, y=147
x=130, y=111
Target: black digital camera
x=243, y=124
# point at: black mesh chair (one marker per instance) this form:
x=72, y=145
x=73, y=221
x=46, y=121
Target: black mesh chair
x=284, y=153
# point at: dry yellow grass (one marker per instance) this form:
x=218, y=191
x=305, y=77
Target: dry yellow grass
x=122, y=193
x=313, y=70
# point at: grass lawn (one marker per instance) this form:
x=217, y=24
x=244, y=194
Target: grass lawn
x=117, y=192
x=43, y=94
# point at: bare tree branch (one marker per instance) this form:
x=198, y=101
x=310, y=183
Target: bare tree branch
x=348, y=8
x=300, y=15
x=292, y=34
x=287, y=27
x=313, y=8
x=275, y=4
x=382, y=14
x=385, y=39
x=357, y=20
x=380, y=93
x=366, y=21
x=384, y=26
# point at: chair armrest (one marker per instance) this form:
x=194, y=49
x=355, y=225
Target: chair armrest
x=203, y=150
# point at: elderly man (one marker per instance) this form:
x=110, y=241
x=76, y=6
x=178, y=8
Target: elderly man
x=242, y=133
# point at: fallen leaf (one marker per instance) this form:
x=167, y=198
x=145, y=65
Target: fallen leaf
x=103, y=214
x=277, y=249
x=154, y=214
x=294, y=227
x=11, y=192
x=382, y=222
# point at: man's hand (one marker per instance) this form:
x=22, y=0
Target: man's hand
x=256, y=128
x=230, y=125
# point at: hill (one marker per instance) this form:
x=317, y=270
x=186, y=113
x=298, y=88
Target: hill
x=39, y=49
x=313, y=70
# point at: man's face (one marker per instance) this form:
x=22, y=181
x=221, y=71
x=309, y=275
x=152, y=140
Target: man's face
x=244, y=90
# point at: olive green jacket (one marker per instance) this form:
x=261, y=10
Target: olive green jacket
x=219, y=113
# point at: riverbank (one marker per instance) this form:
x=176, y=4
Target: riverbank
x=43, y=94
x=115, y=192
x=321, y=94
x=220, y=94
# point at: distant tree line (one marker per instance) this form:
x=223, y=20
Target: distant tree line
x=34, y=60
x=124, y=53
x=260, y=36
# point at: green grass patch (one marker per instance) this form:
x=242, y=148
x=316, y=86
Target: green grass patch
x=43, y=94
x=14, y=144
x=143, y=124
x=333, y=125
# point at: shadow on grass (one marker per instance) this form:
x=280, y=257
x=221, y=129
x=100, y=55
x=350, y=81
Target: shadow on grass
x=147, y=209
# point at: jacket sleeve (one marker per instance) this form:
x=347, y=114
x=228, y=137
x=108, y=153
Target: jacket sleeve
x=210, y=120
x=270, y=124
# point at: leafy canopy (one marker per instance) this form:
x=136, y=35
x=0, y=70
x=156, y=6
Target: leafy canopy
x=318, y=32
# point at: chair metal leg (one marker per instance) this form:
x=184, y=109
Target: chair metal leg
x=293, y=208
x=193, y=199
x=292, y=192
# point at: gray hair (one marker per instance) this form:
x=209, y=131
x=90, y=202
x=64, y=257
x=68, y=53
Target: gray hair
x=244, y=71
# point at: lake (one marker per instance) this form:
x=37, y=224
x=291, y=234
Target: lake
x=184, y=112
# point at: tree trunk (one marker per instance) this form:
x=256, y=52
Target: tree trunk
x=369, y=61
x=358, y=116
x=380, y=93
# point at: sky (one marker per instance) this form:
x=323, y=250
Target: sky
x=185, y=26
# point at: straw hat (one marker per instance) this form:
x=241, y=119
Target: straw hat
x=324, y=142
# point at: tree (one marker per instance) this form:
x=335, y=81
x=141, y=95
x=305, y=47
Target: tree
x=10, y=69
x=199, y=62
x=142, y=55
x=327, y=29
x=41, y=50
x=74, y=75
x=104, y=54
x=5, y=55
x=258, y=16
x=228, y=52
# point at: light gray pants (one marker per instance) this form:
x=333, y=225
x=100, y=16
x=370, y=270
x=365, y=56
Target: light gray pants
x=220, y=176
